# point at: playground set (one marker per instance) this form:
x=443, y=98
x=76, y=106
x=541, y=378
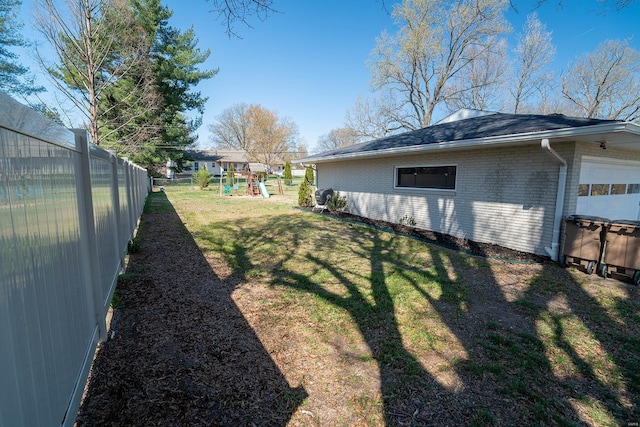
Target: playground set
x=256, y=187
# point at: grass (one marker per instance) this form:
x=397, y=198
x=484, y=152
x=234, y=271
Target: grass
x=399, y=334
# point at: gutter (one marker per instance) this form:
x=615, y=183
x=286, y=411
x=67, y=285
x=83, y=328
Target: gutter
x=554, y=250
x=511, y=139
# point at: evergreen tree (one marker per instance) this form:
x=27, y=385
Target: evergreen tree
x=231, y=179
x=50, y=113
x=172, y=57
x=288, y=177
x=14, y=77
x=202, y=177
x=308, y=175
x=130, y=122
x=305, y=192
x=176, y=60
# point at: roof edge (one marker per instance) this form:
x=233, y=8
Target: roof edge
x=516, y=139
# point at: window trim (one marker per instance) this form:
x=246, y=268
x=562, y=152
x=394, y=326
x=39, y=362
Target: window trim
x=428, y=165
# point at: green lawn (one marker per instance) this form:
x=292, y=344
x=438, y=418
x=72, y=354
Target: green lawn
x=385, y=330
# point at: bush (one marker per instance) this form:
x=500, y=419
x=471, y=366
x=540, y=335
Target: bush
x=308, y=175
x=133, y=246
x=337, y=203
x=202, y=177
x=407, y=220
x=305, y=194
x=287, y=176
x=230, y=176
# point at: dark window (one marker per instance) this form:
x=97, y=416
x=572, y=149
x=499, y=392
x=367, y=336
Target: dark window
x=618, y=188
x=436, y=177
x=599, y=189
x=633, y=189
x=583, y=190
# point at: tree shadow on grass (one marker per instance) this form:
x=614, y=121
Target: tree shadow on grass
x=559, y=350
x=508, y=368
x=411, y=394
x=591, y=330
x=183, y=353
x=490, y=351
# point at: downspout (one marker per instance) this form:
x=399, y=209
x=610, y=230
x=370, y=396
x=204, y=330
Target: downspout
x=554, y=250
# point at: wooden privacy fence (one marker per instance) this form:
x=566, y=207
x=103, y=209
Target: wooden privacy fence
x=67, y=212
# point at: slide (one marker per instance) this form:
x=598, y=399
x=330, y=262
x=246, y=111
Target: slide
x=263, y=189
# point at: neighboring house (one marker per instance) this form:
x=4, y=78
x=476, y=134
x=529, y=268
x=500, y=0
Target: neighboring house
x=217, y=161
x=495, y=178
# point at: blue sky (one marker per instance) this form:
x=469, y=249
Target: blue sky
x=308, y=62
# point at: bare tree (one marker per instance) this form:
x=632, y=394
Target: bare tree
x=231, y=128
x=265, y=136
x=377, y=117
x=605, y=84
x=96, y=43
x=337, y=138
x=270, y=138
x=480, y=85
x=437, y=39
x=532, y=54
x=231, y=11
x=603, y=5
x=299, y=152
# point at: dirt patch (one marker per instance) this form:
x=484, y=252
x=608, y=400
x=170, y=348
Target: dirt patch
x=182, y=353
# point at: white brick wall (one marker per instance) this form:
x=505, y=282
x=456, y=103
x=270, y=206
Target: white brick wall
x=504, y=196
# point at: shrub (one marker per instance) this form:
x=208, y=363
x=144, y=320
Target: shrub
x=407, y=220
x=287, y=176
x=230, y=176
x=337, y=203
x=305, y=193
x=308, y=175
x=202, y=177
x=133, y=246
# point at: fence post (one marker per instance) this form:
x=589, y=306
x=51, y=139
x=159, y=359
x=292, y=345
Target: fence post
x=131, y=201
x=88, y=228
x=115, y=181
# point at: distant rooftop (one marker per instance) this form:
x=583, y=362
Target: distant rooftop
x=218, y=154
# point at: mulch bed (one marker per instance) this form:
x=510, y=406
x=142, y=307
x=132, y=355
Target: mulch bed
x=445, y=240
x=182, y=352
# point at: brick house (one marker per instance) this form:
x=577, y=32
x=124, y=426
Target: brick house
x=494, y=178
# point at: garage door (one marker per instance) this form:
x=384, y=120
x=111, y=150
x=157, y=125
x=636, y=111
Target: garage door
x=609, y=188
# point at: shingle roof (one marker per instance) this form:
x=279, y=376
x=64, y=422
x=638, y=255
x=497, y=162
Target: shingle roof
x=217, y=154
x=200, y=155
x=477, y=128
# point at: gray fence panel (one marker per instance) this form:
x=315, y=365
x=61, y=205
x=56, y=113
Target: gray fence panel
x=47, y=322
x=105, y=221
x=126, y=227
x=61, y=250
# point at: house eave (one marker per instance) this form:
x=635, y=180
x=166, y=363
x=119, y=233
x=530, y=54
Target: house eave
x=612, y=133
